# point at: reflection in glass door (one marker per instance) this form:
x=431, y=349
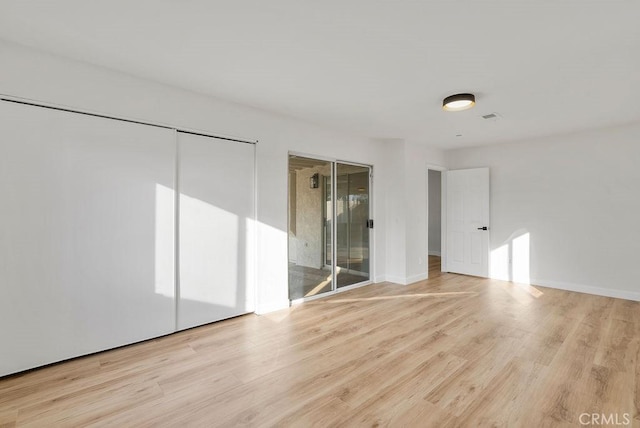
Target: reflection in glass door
x=329, y=205
x=352, y=224
x=310, y=229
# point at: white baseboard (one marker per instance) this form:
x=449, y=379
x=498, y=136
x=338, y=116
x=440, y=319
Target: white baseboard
x=396, y=279
x=404, y=280
x=380, y=278
x=416, y=278
x=598, y=291
x=272, y=307
x=435, y=253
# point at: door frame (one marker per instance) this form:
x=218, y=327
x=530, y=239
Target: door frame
x=443, y=215
x=334, y=285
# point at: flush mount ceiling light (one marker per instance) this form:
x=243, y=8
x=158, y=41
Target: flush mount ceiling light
x=458, y=102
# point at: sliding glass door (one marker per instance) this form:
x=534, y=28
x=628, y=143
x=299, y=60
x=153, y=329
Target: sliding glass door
x=310, y=227
x=352, y=224
x=329, y=224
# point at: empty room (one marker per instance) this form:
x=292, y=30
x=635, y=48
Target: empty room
x=293, y=213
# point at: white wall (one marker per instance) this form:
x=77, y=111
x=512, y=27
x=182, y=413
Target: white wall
x=572, y=203
x=435, y=212
x=393, y=183
x=417, y=156
x=30, y=74
x=407, y=229
x=40, y=76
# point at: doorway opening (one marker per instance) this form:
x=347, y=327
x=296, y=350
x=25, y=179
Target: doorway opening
x=435, y=222
x=329, y=226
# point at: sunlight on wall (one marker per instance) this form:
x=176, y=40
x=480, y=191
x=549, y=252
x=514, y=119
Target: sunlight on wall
x=251, y=266
x=272, y=289
x=274, y=244
x=164, y=251
x=520, y=259
x=202, y=228
x=202, y=279
x=511, y=261
x=499, y=268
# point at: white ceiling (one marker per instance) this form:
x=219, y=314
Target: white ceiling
x=374, y=68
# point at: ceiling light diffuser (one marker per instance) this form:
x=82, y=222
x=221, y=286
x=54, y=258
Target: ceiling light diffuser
x=458, y=102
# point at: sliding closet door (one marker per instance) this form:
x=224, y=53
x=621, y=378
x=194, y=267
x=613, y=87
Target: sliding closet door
x=216, y=229
x=86, y=234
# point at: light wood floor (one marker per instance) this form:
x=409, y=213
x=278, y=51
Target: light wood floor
x=450, y=351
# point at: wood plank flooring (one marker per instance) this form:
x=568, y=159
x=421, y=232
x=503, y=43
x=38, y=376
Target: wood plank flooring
x=450, y=351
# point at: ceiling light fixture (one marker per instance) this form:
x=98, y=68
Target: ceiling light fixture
x=458, y=102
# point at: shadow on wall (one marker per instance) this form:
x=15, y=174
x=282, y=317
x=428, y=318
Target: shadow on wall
x=511, y=261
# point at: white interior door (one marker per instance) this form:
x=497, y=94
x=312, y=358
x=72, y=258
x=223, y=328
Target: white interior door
x=216, y=229
x=467, y=227
x=86, y=234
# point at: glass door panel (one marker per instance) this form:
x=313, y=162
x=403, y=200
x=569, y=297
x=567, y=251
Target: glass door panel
x=310, y=227
x=327, y=220
x=352, y=231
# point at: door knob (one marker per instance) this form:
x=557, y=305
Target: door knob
x=483, y=228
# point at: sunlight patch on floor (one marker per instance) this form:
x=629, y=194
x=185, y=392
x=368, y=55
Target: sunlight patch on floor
x=406, y=296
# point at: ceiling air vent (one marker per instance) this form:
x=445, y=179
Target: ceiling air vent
x=491, y=117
